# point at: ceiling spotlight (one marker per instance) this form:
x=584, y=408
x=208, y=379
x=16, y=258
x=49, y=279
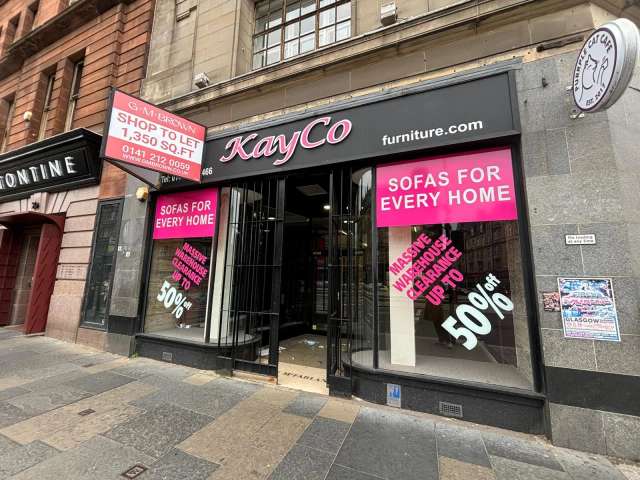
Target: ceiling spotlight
x=327, y=207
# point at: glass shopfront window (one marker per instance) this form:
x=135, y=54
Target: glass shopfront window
x=450, y=279
x=181, y=263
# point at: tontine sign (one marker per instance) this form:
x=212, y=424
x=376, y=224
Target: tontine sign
x=63, y=162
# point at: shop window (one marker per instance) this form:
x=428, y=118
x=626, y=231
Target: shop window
x=74, y=94
x=5, y=127
x=181, y=262
x=450, y=292
x=98, y=289
x=47, y=106
x=284, y=29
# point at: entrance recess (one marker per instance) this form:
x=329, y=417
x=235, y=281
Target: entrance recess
x=298, y=282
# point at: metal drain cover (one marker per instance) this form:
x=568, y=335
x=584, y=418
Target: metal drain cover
x=135, y=471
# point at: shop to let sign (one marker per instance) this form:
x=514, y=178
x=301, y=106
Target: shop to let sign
x=470, y=187
x=146, y=136
x=186, y=214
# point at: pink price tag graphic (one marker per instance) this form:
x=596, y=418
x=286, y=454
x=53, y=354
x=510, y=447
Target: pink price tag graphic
x=470, y=187
x=186, y=214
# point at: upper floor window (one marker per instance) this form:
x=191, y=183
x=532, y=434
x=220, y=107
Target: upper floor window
x=73, y=97
x=288, y=28
x=47, y=106
x=6, y=129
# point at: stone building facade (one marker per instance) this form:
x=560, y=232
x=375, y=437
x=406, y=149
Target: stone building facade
x=58, y=61
x=578, y=174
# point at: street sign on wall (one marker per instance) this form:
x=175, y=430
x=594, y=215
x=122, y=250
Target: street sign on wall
x=140, y=134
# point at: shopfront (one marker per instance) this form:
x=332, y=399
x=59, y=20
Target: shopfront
x=377, y=247
x=40, y=187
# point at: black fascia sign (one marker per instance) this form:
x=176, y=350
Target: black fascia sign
x=402, y=122
x=62, y=162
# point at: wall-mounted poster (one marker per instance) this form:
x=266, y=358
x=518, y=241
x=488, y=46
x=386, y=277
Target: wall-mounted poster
x=588, y=309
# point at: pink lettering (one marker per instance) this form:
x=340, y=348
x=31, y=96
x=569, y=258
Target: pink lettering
x=264, y=147
x=346, y=126
x=237, y=148
x=304, y=138
x=286, y=149
x=268, y=146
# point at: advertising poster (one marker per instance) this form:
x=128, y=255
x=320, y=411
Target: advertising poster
x=149, y=137
x=470, y=187
x=588, y=309
x=186, y=214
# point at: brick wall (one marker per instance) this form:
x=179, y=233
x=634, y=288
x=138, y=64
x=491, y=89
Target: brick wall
x=114, y=48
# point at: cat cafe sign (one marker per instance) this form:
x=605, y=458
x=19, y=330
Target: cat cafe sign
x=605, y=65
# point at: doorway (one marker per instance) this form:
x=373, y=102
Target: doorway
x=24, y=277
x=302, y=333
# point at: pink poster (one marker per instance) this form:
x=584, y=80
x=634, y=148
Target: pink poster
x=186, y=214
x=469, y=187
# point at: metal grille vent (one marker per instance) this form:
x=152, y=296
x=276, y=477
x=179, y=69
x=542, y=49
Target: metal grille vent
x=167, y=356
x=451, y=409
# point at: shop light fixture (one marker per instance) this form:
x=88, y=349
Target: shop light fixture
x=327, y=207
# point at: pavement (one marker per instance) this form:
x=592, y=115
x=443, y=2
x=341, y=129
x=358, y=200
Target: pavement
x=68, y=412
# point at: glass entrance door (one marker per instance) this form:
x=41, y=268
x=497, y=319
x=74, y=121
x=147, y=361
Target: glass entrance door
x=252, y=277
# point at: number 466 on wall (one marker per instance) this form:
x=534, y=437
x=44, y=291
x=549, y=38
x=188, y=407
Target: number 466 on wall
x=473, y=317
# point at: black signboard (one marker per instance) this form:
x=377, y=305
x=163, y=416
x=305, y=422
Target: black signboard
x=63, y=162
x=433, y=115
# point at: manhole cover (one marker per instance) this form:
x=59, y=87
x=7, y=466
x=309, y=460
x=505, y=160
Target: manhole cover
x=135, y=471
x=86, y=412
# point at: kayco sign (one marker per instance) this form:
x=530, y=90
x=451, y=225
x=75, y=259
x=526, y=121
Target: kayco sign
x=471, y=187
x=428, y=116
x=186, y=214
x=605, y=65
x=146, y=136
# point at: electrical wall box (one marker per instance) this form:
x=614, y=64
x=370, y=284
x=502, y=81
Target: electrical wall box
x=388, y=13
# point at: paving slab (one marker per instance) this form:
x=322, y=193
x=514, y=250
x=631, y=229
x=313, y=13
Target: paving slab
x=341, y=410
x=16, y=460
x=391, y=445
x=177, y=465
x=451, y=469
x=500, y=445
x=338, y=472
x=89, y=424
x=306, y=405
x=99, y=382
x=506, y=469
x=10, y=414
x=157, y=431
x=325, y=434
x=463, y=444
x=585, y=466
x=303, y=463
x=8, y=393
x=100, y=459
x=213, y=398
x=35, y=403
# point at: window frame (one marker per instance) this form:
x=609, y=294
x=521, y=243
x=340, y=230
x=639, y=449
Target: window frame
x=4, y=141
x=119, y=203
x=78, y=68
x=316, y=13
x=47, y=107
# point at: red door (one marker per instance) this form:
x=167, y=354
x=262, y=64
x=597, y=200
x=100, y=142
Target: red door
x=10, y=246
x=44, y=277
